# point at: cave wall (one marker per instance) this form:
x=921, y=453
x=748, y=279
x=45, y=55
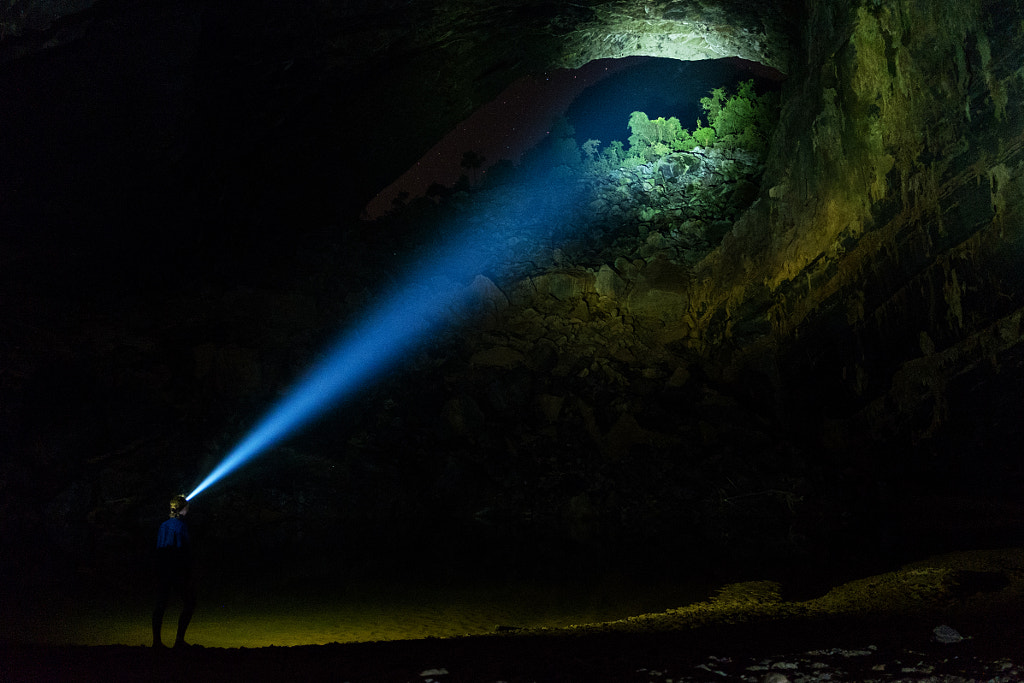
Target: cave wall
x=881, y=267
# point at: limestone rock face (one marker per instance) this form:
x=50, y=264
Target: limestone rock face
x=892, y=215
x=37, y=15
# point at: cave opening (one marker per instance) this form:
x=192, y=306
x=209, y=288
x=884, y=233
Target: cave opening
x=659, y=86
x=592, y=102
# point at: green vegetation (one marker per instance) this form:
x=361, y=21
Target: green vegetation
x=743, y=120
x=740, y=121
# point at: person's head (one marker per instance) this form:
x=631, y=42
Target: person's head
x=179, y=506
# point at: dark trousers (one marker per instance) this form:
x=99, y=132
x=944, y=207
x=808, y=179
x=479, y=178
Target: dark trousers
x=177, y=580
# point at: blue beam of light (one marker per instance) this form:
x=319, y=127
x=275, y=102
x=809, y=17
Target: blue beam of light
x=406, y=318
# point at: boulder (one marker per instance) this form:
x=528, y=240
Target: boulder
x=565, y=285
x=608, y=283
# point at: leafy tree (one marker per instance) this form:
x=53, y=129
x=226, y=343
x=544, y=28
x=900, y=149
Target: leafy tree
x=685, y=141
x=667, y=129
x=713, y=105
x=643, y=133
x=590, y=149
x=674, y=136
x=614, y=153
x=632, y=161
x=743, y=120
x=704, y=136
x=653, y=139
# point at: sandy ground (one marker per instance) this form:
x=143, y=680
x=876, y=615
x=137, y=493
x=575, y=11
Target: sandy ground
x=953, y=618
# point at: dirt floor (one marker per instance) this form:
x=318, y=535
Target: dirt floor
x=952, y=618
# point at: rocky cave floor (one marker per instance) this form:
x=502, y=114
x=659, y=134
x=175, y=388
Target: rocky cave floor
x=954, y=617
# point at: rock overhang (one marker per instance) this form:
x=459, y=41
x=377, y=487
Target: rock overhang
x=467, y=56
x=499, y=45
x=675, y=30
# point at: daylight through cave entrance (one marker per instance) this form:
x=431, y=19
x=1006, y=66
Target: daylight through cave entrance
x=594, y=101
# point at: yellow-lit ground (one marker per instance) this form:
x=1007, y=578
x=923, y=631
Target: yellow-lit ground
x=884, y=627
x=314, y=614
x=944, y=586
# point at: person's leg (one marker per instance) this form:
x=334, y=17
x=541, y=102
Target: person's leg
x=163, y=592
x=188, y=606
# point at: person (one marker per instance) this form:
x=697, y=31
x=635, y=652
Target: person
x=174, y=571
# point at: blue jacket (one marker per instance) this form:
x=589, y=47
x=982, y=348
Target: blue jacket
x=173, y=534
